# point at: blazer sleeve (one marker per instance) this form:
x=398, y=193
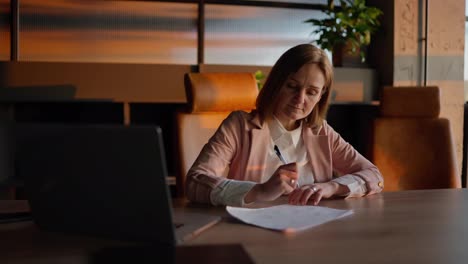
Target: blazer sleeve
x=347, y=161
x=212, y=164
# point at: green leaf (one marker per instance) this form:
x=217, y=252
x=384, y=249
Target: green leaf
x=259, y=76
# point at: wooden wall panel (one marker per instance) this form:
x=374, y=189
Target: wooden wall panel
x=102, y=81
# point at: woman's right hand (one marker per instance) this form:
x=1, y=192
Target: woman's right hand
x=283, y=181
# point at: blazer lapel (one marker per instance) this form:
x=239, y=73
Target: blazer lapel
x=319, y=154
x=257, y=155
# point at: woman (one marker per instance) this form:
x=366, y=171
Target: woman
x=244, y=161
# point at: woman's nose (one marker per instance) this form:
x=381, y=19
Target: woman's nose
x=300, y=96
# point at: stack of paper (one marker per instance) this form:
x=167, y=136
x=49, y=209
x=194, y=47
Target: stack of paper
x=287, y=217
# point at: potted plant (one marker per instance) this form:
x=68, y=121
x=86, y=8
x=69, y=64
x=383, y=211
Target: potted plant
x=346, y=29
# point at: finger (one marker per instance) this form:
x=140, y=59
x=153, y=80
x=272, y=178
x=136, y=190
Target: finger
x=305, y=196
x=287, y=189
x=288, y=173
x=289, y=177
x=297, y=194
x=289, y=167
x=294, y=196
x=317, y=197
x=293, y=183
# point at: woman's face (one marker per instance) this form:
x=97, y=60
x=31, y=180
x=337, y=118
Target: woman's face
x=299, y=95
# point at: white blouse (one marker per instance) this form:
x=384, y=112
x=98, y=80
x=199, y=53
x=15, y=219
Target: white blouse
x=291, y=145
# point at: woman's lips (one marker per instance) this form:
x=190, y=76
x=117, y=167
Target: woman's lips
x=295, y=107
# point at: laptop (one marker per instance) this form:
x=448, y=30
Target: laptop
x=102, y=180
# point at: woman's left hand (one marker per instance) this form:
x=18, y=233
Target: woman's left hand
x=314, y=192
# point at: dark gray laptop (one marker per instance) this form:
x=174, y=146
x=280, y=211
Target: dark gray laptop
x=104, y=180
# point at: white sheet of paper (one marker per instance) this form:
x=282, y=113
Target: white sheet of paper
x=287, y=217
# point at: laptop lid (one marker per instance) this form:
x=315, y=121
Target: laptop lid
x=106, y=180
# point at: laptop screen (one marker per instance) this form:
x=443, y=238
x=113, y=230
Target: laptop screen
x=106, y=180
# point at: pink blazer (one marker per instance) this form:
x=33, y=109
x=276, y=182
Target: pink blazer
x=238, y=148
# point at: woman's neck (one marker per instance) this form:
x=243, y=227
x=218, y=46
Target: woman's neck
x=288, y=124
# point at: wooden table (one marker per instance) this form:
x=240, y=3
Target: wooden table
x=429, y=226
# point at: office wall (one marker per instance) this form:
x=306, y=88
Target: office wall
x=445, y=62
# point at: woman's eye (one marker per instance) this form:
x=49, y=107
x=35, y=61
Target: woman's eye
x=312, y=92
x=291, y=86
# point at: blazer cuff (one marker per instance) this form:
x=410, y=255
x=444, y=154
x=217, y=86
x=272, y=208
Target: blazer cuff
x=357, y=186
x=231, y=192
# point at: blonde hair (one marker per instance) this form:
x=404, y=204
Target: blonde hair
x=290, y=62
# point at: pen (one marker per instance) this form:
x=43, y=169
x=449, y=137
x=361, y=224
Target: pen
x=278, y=153
x=280, y=156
